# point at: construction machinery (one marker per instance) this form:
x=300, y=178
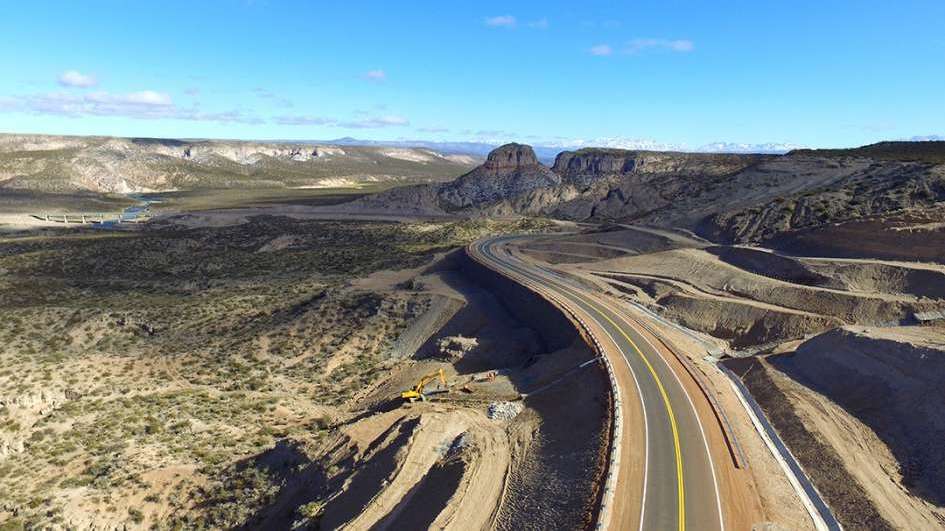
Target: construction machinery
x=412, y=395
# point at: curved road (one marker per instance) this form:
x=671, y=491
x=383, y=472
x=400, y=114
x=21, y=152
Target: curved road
x=679, y=485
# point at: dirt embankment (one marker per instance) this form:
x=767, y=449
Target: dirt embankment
x=559, y=445
x=822, y=463
x=518, y=441
x=861, y=408
x=885, y=278
x=753, y=298
x=919, y=237
x=892, y=385
x=770, y=265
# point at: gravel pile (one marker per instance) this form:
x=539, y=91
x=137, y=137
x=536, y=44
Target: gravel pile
x=504, y=410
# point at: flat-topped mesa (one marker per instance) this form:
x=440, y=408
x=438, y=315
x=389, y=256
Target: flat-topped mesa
x=510, y=157
x=590, y=164
x=597, y=161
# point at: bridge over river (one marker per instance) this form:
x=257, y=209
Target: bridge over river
x=138, y=213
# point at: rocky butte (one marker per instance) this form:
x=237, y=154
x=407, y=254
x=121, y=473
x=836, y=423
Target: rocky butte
x=732, y=197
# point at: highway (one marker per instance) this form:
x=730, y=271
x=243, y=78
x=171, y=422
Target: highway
x=677, y=488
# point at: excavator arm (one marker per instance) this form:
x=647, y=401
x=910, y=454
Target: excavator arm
x=417, y=391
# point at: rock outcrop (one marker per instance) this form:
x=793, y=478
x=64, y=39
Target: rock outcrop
x=509, y=171
x=588, y=165
x=732, y=198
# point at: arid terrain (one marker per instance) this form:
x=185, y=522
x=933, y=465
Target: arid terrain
x=249, y=374
x=236, y=361
x=126, y=165
x=841, y=353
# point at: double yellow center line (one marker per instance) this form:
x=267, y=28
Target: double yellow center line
x=680, y=486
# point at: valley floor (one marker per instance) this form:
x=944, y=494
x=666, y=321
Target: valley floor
x=149, y=374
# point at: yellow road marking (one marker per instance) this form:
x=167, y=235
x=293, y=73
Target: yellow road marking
x=672, y=419
x=669, y=408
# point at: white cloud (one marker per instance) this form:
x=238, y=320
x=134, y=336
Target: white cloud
x=433, y=129
x=487, y=136
x=371, y=122
x=737, y=147
x=269, y=95
x=501, y=21
x=647, y=144
x=601, y=50
x=375, y=75
x=145, y=104
x=541, y=23
x=928, y=138
x=73, y=78
x=148, y=97
x=304, y=120
x=678, y=45
x=613, y=142
x=376, y=122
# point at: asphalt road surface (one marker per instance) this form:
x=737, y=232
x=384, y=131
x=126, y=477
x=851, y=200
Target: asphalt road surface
x=680, y=490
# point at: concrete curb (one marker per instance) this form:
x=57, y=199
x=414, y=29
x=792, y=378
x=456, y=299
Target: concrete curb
x=605, y=511
x=819, y=511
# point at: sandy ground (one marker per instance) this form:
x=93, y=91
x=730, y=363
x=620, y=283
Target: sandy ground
x=866, y=457
x=750, y=297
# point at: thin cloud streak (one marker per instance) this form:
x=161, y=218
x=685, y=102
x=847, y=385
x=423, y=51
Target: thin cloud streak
x=375, y=75
x=75, y=79
x=676, y=45
x=372, y=122
x=501, y=21
x=143, y=105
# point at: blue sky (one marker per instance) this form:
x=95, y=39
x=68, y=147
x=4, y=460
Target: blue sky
x=673, y=73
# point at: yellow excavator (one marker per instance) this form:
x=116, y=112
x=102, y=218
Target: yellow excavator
x=412, y=395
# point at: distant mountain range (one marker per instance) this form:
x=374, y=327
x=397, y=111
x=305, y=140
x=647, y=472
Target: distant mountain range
x=111, y=164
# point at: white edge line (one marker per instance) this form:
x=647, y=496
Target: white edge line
x=646, y=428
x=705, y=442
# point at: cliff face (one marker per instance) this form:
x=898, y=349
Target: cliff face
x=510, y=158
x=873, y=190
x=587, y=165
x=589, y=183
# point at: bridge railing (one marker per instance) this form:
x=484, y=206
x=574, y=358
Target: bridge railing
x=84, y=218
